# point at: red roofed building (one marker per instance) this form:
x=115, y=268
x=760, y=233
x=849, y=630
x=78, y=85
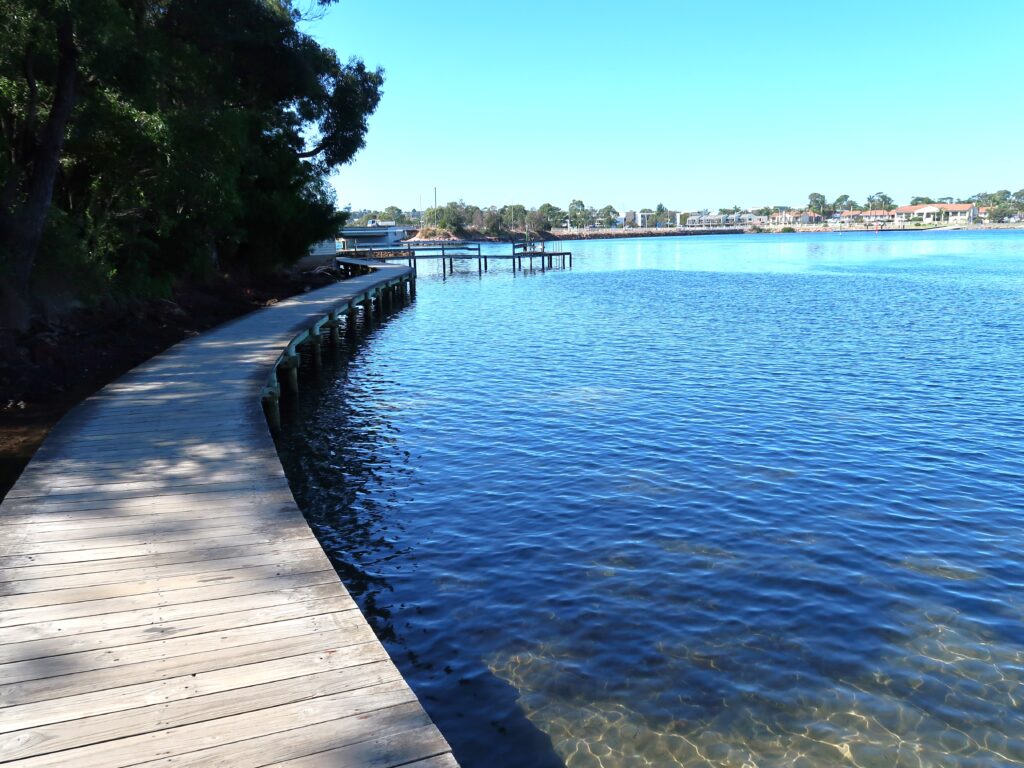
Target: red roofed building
x=931, y=213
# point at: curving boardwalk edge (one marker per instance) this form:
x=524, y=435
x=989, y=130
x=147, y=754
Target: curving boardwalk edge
x=163, y=601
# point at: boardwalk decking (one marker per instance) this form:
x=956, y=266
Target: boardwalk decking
x=162, y=600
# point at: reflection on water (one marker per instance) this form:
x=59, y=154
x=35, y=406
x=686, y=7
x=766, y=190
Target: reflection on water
x=748, y=501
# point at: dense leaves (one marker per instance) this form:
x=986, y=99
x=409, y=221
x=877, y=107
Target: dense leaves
x=146, y=140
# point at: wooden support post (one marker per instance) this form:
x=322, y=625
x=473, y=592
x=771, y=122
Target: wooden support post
x=485, y=263
x=315, y=346
x=412, y=286
x=367, y=310
x=380, y=305
x=288, y=371
x=350, y=321
x=272, y=410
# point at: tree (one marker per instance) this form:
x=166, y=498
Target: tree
x=607, y=216
x=147, y=141
x=513, y=217
x=1001, y=212
x=537, y=221
x=395, y=214
x=921, y=201
x=577, y=214
x=817, y=203
x=882, y=201
x=843, y=203
x=553, y=216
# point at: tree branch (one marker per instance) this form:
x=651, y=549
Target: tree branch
x=312, y=152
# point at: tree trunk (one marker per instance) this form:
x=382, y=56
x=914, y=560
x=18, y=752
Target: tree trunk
x=21, y=229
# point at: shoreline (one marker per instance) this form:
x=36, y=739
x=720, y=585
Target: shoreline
x=473, y=236
x=608, y=234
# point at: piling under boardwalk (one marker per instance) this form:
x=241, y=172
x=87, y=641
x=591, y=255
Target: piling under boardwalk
x=162, y=599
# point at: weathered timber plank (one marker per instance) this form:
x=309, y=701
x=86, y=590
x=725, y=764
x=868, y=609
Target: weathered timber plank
x=200, y=743
x=152, y=615
x=296, y=561
x=171, y=689
x=155, y=717
x=75, y=683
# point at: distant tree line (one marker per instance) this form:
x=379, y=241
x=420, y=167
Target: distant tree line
x=142, y=143
x=1003, y=204
x=498, y=221
x=501, y=221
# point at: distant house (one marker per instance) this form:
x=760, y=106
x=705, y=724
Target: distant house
x=809, y=217
x=629, y=219
x=877, y=216
x=930, y=213
x=784, y=218
x=645, y=219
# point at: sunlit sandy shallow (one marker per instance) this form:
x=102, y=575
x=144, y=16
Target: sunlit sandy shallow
x=749, y=501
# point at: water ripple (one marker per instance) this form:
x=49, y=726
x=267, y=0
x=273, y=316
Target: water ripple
x=700, y=502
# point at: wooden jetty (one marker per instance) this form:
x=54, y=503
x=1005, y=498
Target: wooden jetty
x=162, y=600
x=549, y=254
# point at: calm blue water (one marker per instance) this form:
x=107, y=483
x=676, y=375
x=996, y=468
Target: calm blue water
x=721, y=501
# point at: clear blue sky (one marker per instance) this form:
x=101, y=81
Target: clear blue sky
x=690, y=104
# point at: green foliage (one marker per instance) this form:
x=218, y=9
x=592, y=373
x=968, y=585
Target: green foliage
x=552, y=215
x=816, y=202
x=606, y=216
x=202, y=136
x=578, y=216
x=880, y=200
x=1002, y=212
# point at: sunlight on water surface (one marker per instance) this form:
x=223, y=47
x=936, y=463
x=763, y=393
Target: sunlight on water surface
x=723, y=501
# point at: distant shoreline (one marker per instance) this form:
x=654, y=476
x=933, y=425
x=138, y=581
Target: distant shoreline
x=605, y=234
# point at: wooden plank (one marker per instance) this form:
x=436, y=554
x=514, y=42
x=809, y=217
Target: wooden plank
x=26, y=544
x=296, y=561
x=17, y=512
x=64, y=594
x=155, y=717
x=163, y=600
x=171, y=689
x=142, y=528
x=324, y=730
x=74, y=683
x=160, y=649
x=151, y=549
x=144, y=633
x=195, y=555
x=205, y=741
x=177, y=594
x=151, y=615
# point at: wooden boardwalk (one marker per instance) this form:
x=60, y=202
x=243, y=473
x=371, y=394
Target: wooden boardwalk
x=162, y=600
